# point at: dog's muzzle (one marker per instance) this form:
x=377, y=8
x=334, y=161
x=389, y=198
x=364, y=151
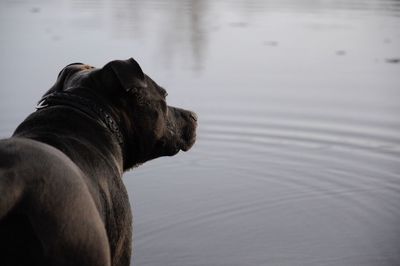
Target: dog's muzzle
x=180, y=131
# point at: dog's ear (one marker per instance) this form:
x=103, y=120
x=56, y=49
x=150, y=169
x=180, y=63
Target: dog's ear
x=128, y=73
x=59, y=85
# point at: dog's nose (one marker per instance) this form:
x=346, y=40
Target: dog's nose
x=193, y=116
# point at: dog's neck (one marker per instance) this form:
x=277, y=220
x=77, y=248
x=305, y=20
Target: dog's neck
x=77, y=120
x=86, y=106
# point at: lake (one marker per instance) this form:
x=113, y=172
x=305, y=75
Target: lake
x=297, y=160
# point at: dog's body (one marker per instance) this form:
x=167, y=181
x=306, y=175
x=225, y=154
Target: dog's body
x=62, y=200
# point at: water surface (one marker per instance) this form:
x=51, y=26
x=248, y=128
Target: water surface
x=298, y=154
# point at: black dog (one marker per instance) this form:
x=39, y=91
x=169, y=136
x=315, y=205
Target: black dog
x=62, y=200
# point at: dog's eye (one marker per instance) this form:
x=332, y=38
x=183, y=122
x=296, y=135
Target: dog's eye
x=162, y=92
x=141, y=100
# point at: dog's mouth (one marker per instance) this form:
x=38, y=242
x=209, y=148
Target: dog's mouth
x=189, y=132
x=183, y=142
x=188, y=139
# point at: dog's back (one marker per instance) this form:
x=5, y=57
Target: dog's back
x=43, y=195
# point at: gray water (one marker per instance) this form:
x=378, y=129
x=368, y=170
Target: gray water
x=297, y=160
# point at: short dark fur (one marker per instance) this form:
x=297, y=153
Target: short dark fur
x=62, y=200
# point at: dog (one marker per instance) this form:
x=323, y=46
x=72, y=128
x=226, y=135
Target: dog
x=62, y=199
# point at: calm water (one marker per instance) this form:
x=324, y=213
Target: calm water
x=298, y=153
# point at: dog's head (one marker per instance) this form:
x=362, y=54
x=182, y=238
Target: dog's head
x=149, y=126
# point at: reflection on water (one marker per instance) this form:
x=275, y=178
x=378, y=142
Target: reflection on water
x=298, y=155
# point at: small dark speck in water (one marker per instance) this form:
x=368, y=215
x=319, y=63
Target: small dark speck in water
x=341, y=52
x=215, y=28
x=271, y=43
x=387, y=40
x=238, y=24
x=393, y=60
x=35, y=10
x=56, y=38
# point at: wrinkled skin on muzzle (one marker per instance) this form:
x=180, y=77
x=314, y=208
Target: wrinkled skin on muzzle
x=180, y=125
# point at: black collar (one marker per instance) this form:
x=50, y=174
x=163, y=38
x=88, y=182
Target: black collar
x=85, y=105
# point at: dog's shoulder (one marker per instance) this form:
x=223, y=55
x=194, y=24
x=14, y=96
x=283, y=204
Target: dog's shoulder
x=40, y=182
x=20, y=153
